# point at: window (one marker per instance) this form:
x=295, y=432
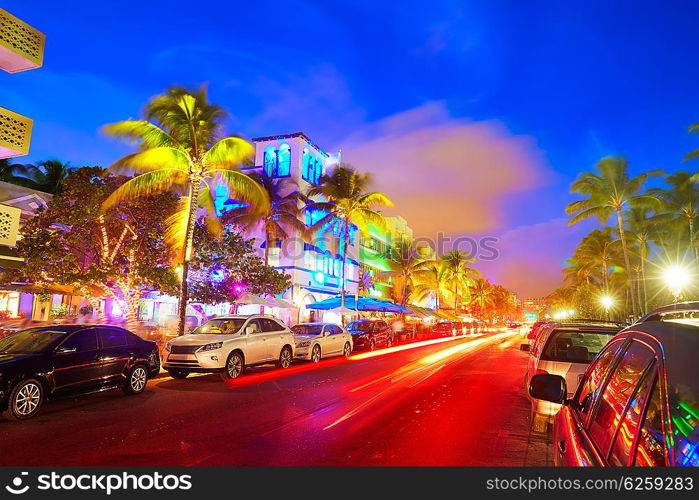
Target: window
x=651, y=445
x=271, y=161
x=575, y=346
x=593, y=379
x=617, y=393
x=269, y=325
x=284, y=163
x=255, y=324
x=333, y=330
x=82, y=341
x=111, y=337
x=621, y=449
x=304, y=164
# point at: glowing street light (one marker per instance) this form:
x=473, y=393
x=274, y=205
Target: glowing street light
x=676, y=279
x=607, y=302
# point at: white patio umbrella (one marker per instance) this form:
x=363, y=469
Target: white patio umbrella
x=281, y=303
x=248, y=298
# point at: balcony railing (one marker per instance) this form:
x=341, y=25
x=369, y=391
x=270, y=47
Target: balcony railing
x=15, y=133
x=9, y=224
x=21, y=46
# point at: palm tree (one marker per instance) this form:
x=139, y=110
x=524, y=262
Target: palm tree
x=681, y=200
x=280, y=219
x=180, y=146
x=347, y=203
x=694, y=128
x=460, y=274
x=608, y=192
x=483, y=295
x=599, y=251
x=48, y=176
x=405, y=263
x=432, y=279
x=14, y=173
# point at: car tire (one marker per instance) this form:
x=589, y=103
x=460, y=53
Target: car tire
x=136, y=380
x=285, y=357
x=372, y=345
x=315, y=353
x=347, y=350
x=178, y=374
x=235, y=365
x=25, y=399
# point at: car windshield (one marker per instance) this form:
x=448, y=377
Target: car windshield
x=30, y=341
x=220, y=326
x=575, y=346
x=307, y=329
x=359, y=326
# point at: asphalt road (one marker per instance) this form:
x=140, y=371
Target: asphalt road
x=457, y=402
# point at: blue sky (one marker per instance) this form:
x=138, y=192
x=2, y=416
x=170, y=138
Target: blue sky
x=518, y=97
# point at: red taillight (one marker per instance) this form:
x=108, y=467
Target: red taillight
x=541, y=372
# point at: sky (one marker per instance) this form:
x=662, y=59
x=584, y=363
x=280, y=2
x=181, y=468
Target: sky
x=473, y=116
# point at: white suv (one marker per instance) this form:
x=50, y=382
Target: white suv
x=227, y=344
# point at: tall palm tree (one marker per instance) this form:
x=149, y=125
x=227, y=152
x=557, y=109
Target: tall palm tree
x=600, y=252
x=432, y=279
x=348, y=203
x=460, y=274
x=280, y=219
x=405, y=262
x=483, y=295
x=48, y=176
x=180, y=146
x=608, y=192
x=681, y=199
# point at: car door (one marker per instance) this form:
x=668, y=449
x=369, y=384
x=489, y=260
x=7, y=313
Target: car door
x=333, y=339
x=274, y=338
x=382, y=332
x=77, y=361
x=571, y=446
x=256, y=346
x=116, y=353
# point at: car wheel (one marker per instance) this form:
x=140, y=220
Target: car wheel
x=234, y=366
x=315, y=353
x=179, y=374
x=136, y=380
x=347, y=350
x=372, y=345
x=25, y=399
x=284, y=358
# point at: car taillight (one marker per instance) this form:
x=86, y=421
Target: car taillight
x=541, y=372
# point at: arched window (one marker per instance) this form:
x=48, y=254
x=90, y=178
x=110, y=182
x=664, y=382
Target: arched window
x=318, y=173
x=284, y=163
x=304, y=163
x=271, y=162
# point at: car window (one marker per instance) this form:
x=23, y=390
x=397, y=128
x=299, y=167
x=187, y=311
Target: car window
x=617, y=392
x=625, y=436
x=82, y=341
x=31, y=340
x=575, y=346
x=227, y=326
x=269, y=325
x=381, y=325
x=255, y=324
x=334, y=330
x=651, y=445
x=593, y=379
x=307, y=329
x=538, y=342
x=111, y=337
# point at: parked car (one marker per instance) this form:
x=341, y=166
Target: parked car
x=46, y=362
x=444, y=329
x=370, y=334
x=534, y=330
x=227, y=344
x=638, y=401
x=315, y=341
x=564, y=349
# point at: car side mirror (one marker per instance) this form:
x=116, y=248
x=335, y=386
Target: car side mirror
x=524, y=347
x=249, y=329
x=66, y=350
x=548, y=388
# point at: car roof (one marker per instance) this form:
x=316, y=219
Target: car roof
x=678, y=307
x=70, y=328
x=315, y=323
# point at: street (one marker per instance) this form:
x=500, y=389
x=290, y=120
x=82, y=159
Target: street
x=443, y=402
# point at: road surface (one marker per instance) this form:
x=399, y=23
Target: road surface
x=455, y=402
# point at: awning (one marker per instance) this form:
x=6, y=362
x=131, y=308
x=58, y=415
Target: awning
x=361, y=304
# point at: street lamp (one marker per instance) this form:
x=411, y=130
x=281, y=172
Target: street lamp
x=607, y=302
x=676, y=279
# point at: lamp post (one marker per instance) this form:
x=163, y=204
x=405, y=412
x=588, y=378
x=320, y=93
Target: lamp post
x=676, y=279
x=607, y=302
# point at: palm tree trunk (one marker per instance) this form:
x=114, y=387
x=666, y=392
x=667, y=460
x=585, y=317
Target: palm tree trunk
x=622, y=237
x=194, y=189
x=645, y=285
x=692, y=244
x=403, y=298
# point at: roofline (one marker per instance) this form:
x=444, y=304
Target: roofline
x=291, y=136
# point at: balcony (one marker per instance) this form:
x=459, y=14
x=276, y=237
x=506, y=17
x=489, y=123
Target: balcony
x=21, y=46
x=9, y=225
x=15, y=134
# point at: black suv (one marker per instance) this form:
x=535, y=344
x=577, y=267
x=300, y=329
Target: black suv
x=370, y=334
x=51, y=361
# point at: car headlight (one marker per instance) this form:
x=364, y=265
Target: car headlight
x=303, y=344
x=212, y=347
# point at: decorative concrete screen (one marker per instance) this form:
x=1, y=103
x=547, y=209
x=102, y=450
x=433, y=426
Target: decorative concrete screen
x=21, y=46
x=15, y=133
x=9, y=225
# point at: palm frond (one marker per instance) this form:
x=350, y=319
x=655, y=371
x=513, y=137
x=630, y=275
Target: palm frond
x=150, y=160
x=243, y=188
x=142, y=133
x=157, y=181
x=228, y=153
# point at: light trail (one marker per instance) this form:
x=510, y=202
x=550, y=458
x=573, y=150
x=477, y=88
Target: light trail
x=405, y=347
